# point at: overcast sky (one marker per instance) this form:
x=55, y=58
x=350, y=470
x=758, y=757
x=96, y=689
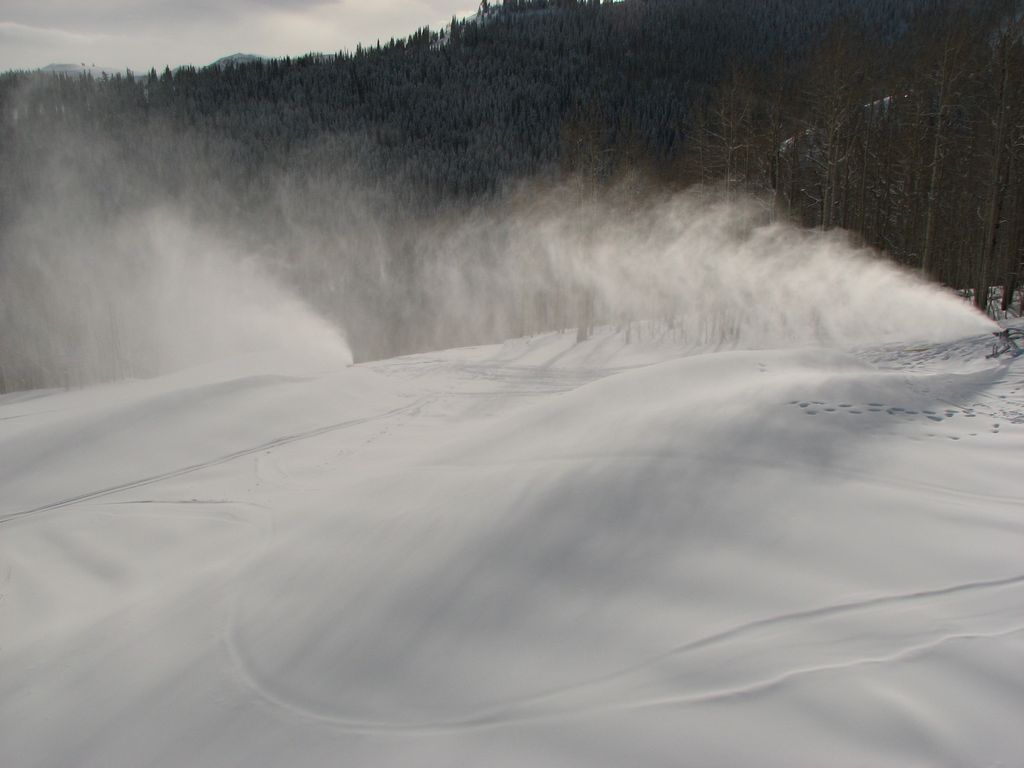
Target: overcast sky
x=139, y=34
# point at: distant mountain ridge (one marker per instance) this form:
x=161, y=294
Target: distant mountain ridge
x=237, y=58
x=82, y=68
x=78, y=69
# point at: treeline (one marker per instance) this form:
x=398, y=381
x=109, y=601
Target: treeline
x=443, y=115
x=917, y=147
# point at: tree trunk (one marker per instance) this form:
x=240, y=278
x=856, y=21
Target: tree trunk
x=997, y=194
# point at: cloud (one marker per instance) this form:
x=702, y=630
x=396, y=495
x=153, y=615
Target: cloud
x=27, y=46
x=119, y=14
x=153, y=33
x=12, y=32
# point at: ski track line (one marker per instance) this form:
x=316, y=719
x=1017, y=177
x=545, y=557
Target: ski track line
x=545, y=707
x=30, y=414
x=414, y=407
x=753, y=626
x=832, y=610
x=779, y=680
x=275, y=443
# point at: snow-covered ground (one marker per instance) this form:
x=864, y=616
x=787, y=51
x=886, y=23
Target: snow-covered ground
x=531, y=554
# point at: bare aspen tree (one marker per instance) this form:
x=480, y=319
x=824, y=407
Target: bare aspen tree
x=1000, y=165
x=946, y=76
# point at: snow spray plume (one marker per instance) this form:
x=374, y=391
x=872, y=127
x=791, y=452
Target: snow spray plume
x=709, y=274
x=139, y=295
x=96, y=286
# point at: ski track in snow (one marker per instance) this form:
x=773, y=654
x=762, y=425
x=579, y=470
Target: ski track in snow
x=175, y=473
x=937, y=396
x=546, y=707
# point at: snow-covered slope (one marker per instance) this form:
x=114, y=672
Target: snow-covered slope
x=538, y=553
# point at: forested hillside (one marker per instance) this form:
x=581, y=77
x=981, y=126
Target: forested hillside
x=458, y=111
x=900, y=120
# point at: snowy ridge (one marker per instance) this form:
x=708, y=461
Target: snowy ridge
x=535, y=553
x=80, y=69
x=236, y=59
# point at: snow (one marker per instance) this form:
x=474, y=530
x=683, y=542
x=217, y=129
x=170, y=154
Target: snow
x=536, y=553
